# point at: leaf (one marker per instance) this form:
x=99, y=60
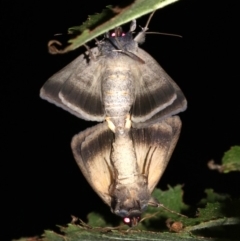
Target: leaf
x=76, y=232
x=230, y=161
x=73, y=232
x=216, y=206
x=96, y=220
x=109, y=18
x=218, y=220
x=212, y=197
x=155, y=218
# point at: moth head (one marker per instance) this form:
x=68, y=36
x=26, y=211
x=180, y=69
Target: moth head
x=117, y=41
x=129, y=201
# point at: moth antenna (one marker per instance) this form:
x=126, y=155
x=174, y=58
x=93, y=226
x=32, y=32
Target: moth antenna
x=153, y=202
x=167, y=34
x=140, y=38
x=149, y=216
x=149, y=19
x=171, y=211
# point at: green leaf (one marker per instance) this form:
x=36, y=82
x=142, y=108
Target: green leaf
x=218, y=220
x=96, y=220
x=155, y=218
x=230, y=161
x=212, y=197
x=108, y=19
x=216, y=206
x=75, y=232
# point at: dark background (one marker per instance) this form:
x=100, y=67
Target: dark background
x=41, y=185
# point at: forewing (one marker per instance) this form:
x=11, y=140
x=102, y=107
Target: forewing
x=91, y=149
x=157, y=96
x=154, y=146
x=77, y=87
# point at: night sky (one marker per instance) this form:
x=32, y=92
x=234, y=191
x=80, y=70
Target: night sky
x=41, y=185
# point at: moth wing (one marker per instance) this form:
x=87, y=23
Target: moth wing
x=77, y=88
x=91, y=149
x=154, y=146
x=157, y=96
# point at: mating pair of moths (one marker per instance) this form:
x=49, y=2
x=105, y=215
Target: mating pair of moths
x=121, y=85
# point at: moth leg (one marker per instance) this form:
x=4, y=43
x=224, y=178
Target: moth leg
x=128, y=123
x=133, y=25
x=97, y=41
x=90, y=53
x=111, y=126
x=140, y=38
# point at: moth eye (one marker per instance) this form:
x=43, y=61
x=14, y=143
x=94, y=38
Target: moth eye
x=113, y=34
x=133, y=221
x=127, y=220
x=121, y=213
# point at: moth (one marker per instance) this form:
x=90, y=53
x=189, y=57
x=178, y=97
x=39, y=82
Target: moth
x=116, y=81
x=119, y=82
x=126, y=189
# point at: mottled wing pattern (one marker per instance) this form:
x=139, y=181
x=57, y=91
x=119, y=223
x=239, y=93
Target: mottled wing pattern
x=77, y=88
x=154, y=146
x=157, y=96
x=91, y=149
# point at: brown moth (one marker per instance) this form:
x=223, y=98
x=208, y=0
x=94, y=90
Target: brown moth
x=123, y=182
x=116, y=81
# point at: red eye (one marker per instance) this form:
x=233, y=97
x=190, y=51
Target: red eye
x=126, y=220
x=113, y=34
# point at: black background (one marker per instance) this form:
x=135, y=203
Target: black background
x=40, y=183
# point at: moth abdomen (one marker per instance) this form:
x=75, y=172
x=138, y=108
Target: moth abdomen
x=117, y=93
x=124, y=158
